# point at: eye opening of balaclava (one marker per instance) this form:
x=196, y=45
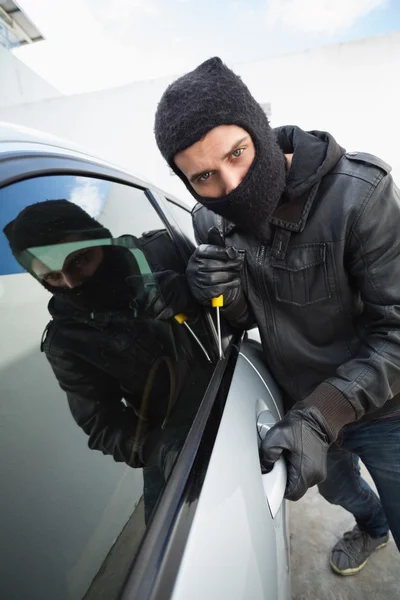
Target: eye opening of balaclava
x=210, y=96
x=51, y=223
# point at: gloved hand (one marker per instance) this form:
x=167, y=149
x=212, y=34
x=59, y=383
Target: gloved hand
x=215, y=270
x=166, y=295
x=303, y=437
x=173, y=296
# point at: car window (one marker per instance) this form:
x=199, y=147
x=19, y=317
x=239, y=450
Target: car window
x=104, y=361
x=90, y=194
x=184, y=220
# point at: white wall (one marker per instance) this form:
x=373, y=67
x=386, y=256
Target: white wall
x=349, y=89
x=19, y=84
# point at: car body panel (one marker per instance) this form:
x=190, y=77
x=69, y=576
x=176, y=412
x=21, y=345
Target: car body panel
x=235, y=548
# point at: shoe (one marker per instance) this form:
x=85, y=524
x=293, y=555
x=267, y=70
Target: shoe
x=352, y=552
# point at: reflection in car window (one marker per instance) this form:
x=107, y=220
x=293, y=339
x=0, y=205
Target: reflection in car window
x=91, y=434
x=90, y=194
x=184, y=220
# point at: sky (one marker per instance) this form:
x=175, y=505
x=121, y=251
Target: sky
x=97, y=44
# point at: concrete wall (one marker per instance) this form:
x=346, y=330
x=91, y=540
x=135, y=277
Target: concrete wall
x=351, y=90
x=348, y=89
x=19, y=84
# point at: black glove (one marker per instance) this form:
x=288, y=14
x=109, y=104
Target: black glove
x=303, y=437
x=214, y=270
x=166, y=295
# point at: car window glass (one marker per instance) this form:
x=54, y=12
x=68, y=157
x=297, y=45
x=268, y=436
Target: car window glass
x=90, y=194
x=184, y=220
x=104, y=361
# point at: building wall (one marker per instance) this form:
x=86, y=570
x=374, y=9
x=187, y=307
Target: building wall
x=19, y=84
x=349, y=89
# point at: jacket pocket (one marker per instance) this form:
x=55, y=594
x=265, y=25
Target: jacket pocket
x=301, y=277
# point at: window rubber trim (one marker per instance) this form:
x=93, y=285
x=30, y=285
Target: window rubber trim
x=174, y=229
x=160, y=200
x=156, y=565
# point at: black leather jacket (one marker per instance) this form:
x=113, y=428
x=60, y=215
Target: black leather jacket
x=325, y=293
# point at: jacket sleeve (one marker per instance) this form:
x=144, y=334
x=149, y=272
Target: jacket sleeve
x=371, y=378
x=95, y=401
x=238, y=313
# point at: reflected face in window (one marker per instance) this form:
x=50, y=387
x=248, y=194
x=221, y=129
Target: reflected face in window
x=78, y=267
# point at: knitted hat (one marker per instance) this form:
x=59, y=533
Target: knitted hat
x=205, y=98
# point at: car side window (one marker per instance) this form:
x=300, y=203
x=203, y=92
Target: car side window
x=106, y=360
x=184, y=219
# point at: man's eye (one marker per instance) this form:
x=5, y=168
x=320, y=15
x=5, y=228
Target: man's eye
x=238, y=152
x=205, y=176
x=80, y=260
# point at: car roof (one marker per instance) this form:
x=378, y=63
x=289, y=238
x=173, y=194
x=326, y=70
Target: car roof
x=12, y=133
x=18, y=138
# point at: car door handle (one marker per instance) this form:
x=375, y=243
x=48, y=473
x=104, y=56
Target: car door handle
x=274, y=482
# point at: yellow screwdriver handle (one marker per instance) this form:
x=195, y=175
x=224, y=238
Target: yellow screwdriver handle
x=218, y=301
x=181, y=318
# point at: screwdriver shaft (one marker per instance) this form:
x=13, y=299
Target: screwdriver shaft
x=219, y=332
x=198, y=341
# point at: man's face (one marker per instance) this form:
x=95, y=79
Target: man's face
x=218, y=163
x=78, y=267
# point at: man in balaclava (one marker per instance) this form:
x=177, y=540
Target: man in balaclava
x=48, y=224
x=298, y=236
x=108, y=343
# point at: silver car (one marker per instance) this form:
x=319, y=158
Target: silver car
x=76, y=522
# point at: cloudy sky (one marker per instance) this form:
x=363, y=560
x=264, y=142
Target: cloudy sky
x=95, y=44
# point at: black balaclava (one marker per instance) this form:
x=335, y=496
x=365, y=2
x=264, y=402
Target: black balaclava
x=48, y=223
x=205, y=98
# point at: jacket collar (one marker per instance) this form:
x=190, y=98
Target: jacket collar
x=293, y=215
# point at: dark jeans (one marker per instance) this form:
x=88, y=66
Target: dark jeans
x=377, y=443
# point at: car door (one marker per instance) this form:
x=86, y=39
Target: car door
x=238, y=545
x=88, y=522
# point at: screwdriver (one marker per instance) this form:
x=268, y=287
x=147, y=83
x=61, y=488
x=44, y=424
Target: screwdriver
x=217, y=303
x=181, y=318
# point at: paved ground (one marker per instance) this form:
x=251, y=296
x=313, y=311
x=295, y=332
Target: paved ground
x=315, y=528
